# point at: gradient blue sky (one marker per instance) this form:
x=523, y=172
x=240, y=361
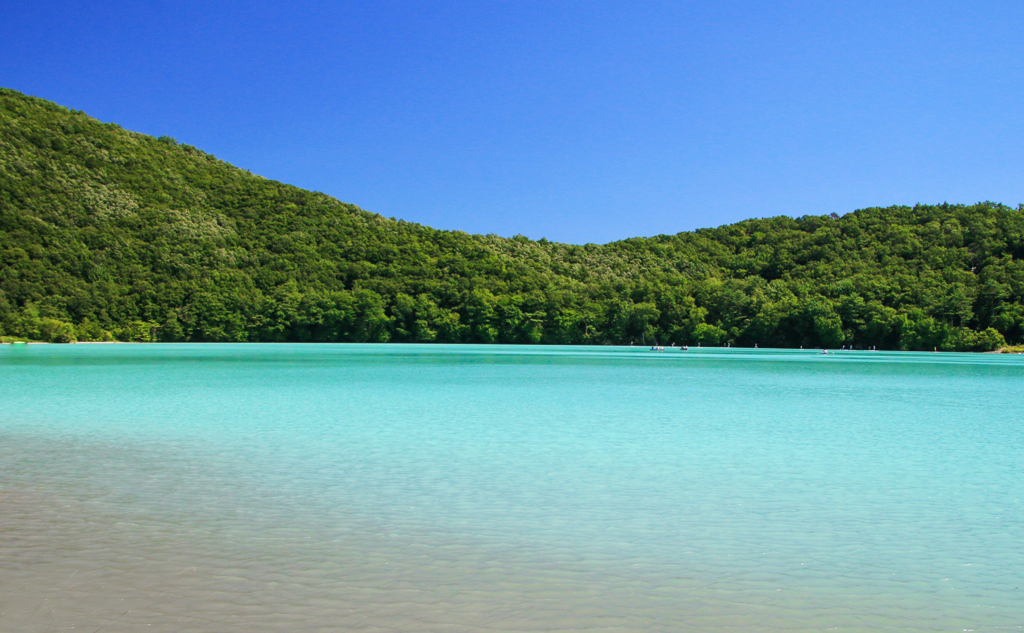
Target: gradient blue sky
x=575, y=121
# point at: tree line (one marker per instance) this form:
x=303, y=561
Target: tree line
x=110, y=234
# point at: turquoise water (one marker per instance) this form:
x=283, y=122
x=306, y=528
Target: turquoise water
x=484, y=488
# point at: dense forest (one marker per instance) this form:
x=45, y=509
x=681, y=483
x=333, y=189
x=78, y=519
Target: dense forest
x=110, y=234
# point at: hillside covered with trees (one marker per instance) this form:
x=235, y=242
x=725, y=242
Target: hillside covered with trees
x=107, y=233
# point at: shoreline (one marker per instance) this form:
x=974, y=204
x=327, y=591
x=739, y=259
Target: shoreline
x=1009, y=349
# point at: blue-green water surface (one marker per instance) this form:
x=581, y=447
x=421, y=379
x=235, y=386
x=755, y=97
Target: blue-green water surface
x=478, y=488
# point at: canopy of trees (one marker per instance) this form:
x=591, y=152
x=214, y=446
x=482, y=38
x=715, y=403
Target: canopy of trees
x=107, y=233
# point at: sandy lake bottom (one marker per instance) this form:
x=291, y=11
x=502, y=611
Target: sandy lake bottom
x=223, y=488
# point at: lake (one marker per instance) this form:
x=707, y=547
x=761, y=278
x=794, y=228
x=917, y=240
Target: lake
x=206, y=487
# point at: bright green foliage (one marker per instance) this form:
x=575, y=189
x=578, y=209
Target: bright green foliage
x=108, y=233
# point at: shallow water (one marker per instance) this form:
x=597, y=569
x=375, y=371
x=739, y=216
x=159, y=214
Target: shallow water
x=473, y=488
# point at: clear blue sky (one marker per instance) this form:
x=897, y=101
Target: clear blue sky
x=575, y=121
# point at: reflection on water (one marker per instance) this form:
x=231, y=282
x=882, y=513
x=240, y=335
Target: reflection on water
x=408, y=488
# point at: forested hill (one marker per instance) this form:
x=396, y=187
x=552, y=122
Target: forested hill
x=110, y=233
